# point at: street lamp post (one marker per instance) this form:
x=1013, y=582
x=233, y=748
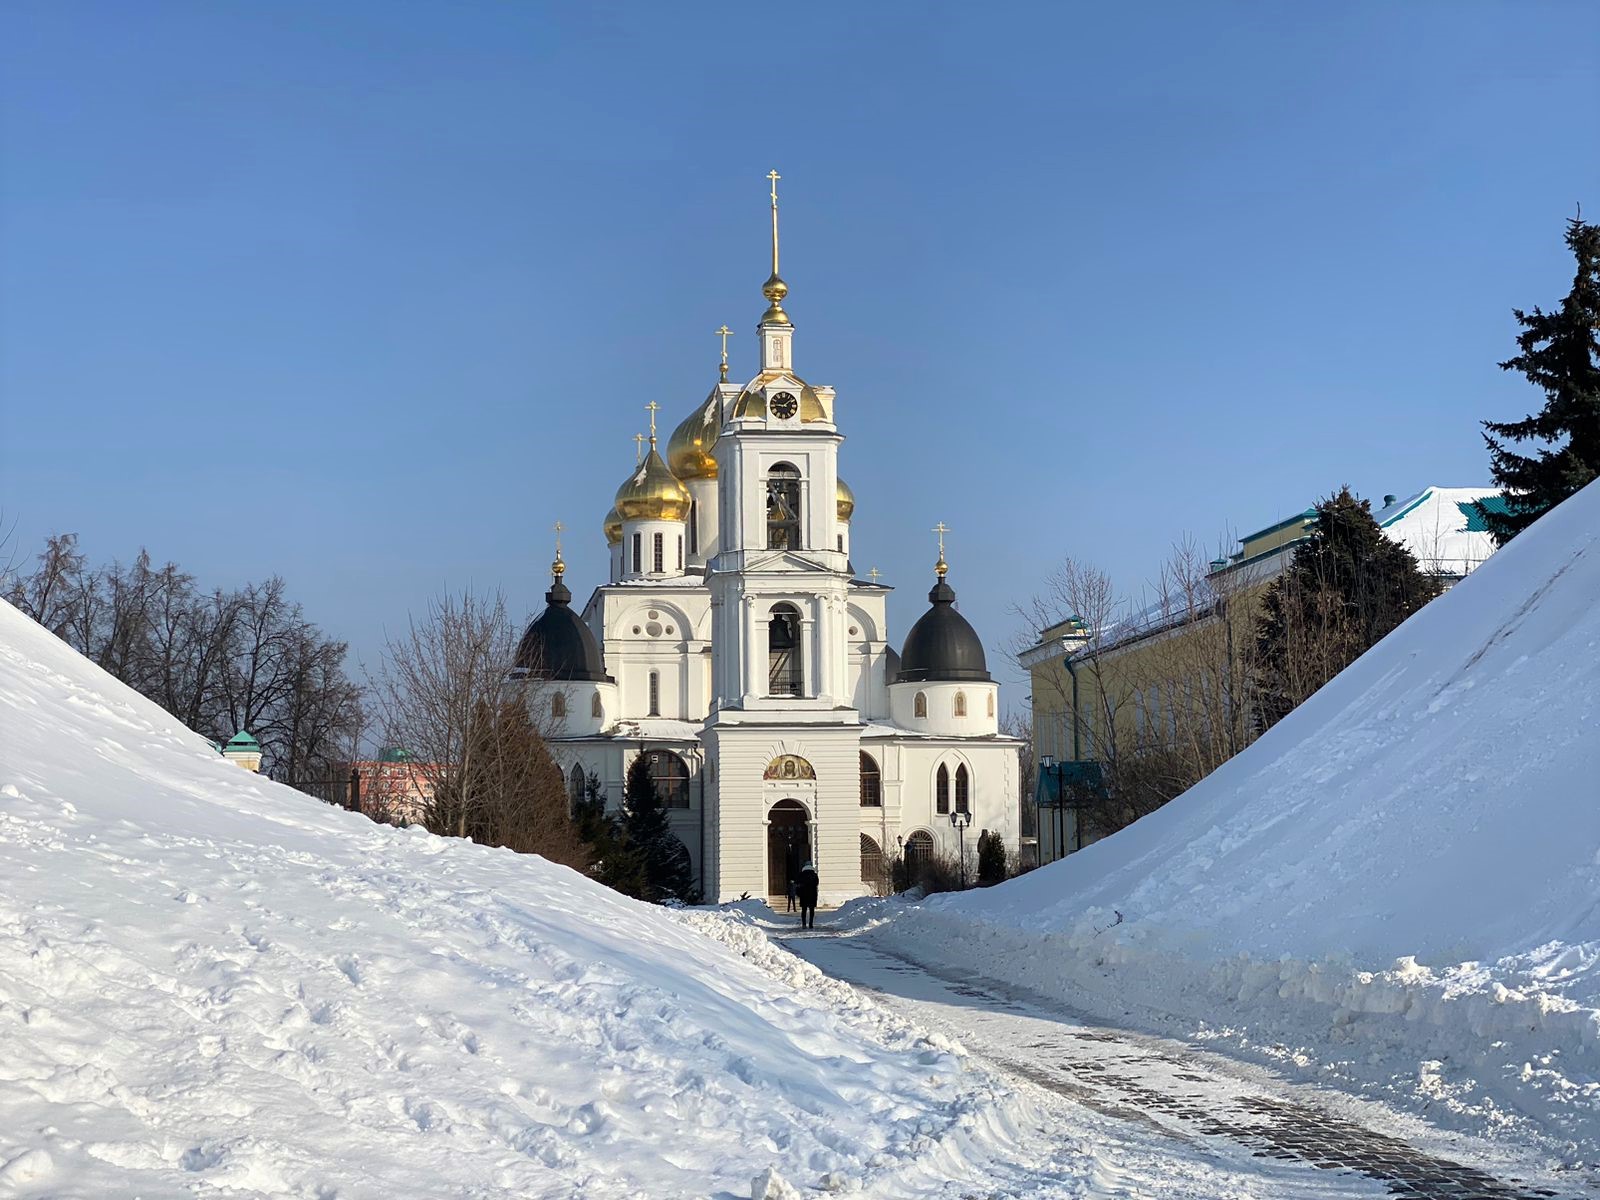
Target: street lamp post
x=961, y=820
x=1047, y=762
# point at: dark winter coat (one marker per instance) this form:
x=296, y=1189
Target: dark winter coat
x=806, y=888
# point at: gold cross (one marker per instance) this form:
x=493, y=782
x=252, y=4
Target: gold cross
x=558, y=527
x=874, y=573
x=724, y=332
x=941, y=529
x=774, y=176
x=652, y=407
x=638, y=449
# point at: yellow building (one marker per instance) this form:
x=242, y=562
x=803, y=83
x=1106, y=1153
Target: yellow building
x=1156, y=698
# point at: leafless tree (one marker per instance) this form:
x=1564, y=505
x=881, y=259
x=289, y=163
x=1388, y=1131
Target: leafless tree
x=443, y=694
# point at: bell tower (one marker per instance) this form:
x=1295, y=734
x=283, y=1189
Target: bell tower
x=781, y=572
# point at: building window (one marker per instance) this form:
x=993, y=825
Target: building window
x=841, y=543
x=919, y=851
x=656, y=546
x=963, y=790
x=784, y=675
x=871, y=862
x=655, y=694
x=960, y=706
x=670, y=775
x=596, y=709
x=638, y=553
x=680, y=552
x=919, y=705
x=694, y=527
x=558, y=705
x=941, y=791
x=871, y=783
x=991, y=704
x=577, y=785
x=783, y=508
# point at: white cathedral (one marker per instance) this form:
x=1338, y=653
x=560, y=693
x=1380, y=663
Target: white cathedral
x=734, y=646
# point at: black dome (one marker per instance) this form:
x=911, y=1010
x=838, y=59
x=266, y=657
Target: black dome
x=558, y=645
x=942, y=646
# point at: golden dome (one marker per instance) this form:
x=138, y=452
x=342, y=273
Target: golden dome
x=652, y=493
x=844, y=500
x=751, y=403
x=613, y=528
x=689, y=448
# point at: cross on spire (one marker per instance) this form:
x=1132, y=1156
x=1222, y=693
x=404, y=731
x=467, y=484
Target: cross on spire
x=651, y=408
x=774, y=176
x=941, y=566
x=559, y=567
x=638, y=449
x=724, y=333
x=874, y=573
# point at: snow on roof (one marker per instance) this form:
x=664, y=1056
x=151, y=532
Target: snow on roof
x=1442, y=528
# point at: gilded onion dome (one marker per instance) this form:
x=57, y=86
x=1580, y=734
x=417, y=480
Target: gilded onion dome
x=613, y=528
x=844, y=499
x=652, y=493
x=689, y=448
x=751, y=403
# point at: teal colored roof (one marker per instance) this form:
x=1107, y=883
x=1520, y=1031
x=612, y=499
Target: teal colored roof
x=241, y=741
x=1475, y=521
x=1086, y=776
x=395, y=754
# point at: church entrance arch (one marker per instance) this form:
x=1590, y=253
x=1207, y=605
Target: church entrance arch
x=788, y=844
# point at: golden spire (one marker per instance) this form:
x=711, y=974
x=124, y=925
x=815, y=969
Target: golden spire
x=651, y=409
x=638, y=449
x=724, y=332
x=775, y=289
x=559, y=568
x=940, y=567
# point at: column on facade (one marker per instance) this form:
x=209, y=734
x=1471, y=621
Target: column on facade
x=752, y=660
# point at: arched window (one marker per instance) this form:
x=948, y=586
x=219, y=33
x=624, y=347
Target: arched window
x=558, y=705
x=961, y=704
x=655, y=694
x=919, y=850
x=656, y=557
x=871, y=863
x=671, y=776
x=577, y=784
x=597, y=710
x=785, y=676
x=991, y=704
x=871, y=783
x=963, y=790
x=638, y=553
x=783, y=508
x=694, y=527
x=680, y=552
x=941, y=791
x=919, y=705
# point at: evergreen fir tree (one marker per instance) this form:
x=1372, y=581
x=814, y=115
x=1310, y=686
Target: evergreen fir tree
x=616, y=863
x=1560, y=353
x=1347, y=587
x=663, y=860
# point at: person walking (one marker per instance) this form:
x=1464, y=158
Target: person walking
x=806, y=886
x=791, y=894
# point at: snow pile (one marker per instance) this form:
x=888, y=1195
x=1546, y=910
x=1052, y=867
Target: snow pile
x=212, y=985
x=1397, y=887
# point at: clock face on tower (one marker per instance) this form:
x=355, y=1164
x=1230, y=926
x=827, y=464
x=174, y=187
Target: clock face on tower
x=784, y=405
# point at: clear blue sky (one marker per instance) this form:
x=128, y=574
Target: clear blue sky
x=369, y=294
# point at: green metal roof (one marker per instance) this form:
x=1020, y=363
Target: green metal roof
x=1475, y=521
x=395, y=754
x=241, y=741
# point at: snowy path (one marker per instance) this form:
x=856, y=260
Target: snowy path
x=1167, y=1119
